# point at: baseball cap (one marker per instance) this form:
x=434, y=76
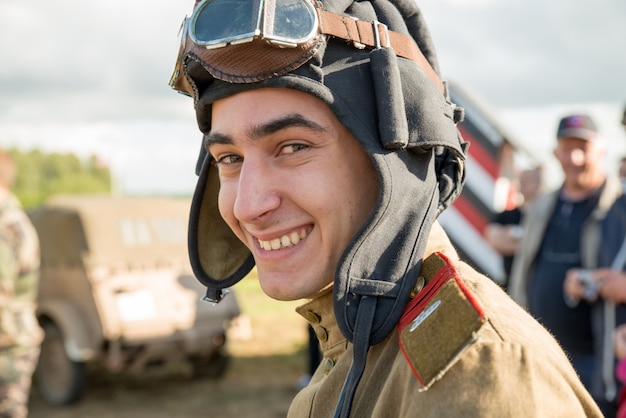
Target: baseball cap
x=577, y=126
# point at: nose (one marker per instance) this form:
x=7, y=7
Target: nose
x=257, y=192
x=577, y=157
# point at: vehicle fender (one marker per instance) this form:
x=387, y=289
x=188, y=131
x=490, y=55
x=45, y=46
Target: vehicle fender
x=77, y=339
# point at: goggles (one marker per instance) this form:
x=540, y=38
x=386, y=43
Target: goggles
x=246, y=41
x=282, y=23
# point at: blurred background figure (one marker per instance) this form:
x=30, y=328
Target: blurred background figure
x=622, y=162
x=606, y=288
x=504, y=231
x=562, y=231
x=619, y=341
x=622, y=169
x=20, y=334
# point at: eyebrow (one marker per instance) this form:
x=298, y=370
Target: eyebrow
x=294, y=120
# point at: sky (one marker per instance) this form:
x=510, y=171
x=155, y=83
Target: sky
x=92, y=77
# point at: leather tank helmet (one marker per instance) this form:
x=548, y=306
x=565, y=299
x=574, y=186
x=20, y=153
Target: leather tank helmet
x=373, y=63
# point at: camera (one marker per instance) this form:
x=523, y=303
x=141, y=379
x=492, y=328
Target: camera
x=591, y=287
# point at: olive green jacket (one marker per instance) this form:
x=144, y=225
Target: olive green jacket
x=513, y=369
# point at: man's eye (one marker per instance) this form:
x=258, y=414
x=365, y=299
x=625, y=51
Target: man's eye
x=228, y=159
x=293, y=148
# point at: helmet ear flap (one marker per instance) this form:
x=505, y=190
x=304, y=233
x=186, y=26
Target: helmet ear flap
x=450, y=169
x=218, y=258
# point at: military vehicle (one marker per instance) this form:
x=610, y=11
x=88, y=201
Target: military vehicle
x=117, y=290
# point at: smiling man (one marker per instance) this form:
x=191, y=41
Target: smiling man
x=330, y=147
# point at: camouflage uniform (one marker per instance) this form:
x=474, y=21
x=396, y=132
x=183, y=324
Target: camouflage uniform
x=20, y=334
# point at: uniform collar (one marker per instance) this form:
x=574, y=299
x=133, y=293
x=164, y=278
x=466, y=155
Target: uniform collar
x=319, y=312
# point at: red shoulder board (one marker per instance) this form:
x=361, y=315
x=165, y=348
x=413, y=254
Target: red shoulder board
x=440, y=322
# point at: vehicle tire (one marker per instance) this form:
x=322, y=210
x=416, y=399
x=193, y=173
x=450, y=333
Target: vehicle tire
x=59, y=380
x=214, y=365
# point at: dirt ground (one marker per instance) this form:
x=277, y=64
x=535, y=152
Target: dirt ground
x=267, y=359
x=252, y=387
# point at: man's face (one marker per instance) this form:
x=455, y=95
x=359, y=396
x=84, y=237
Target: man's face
x=581, y=161
x=295, y=186
x=530, y=183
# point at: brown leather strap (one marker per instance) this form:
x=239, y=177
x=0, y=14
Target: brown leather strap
x=362, y=34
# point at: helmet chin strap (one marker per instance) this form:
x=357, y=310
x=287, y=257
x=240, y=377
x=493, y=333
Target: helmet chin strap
x=363, y=328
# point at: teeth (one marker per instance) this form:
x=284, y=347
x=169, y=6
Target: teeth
x=285, y=241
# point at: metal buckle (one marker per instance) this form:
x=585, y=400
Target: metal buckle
x=375, y=25
x=356, y=44
x=222, y=293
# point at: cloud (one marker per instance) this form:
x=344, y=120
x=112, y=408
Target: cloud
x=113, y=59
x=532, y=52
x=115, y=55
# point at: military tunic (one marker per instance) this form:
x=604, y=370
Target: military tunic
x=514, y=368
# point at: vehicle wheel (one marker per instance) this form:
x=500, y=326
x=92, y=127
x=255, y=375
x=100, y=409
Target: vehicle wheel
x=211, y=366
x=60, y=380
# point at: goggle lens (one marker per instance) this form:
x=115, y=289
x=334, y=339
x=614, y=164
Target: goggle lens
x=285, y=23
x=294, y=19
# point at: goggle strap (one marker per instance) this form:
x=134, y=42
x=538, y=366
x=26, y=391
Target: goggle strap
x=375, y=35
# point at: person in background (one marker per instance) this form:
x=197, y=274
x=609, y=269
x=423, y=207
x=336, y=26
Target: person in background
x=20, y=334
x=561, y=231
x=504, y=232
x=622, y=169
x=605, y=288
x=619, y=341
x=329, y=149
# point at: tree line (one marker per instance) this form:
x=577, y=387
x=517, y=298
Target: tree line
x=41, y=175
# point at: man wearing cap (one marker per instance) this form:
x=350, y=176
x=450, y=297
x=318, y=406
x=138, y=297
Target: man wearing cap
x=609, y=310
x=561, y=234
x=329, y=149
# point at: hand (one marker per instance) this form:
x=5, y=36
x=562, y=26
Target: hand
x=503, y=238
x=613, y=284
x=580, y=284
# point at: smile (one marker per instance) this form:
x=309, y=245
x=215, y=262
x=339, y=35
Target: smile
x=285, y=241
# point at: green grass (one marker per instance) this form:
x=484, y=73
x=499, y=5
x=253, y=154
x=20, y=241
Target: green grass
x=276, y=328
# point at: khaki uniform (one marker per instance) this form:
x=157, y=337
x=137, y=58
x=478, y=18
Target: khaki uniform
x=514, y=368
x=20, y=334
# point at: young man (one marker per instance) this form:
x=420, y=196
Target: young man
x=329, y=150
